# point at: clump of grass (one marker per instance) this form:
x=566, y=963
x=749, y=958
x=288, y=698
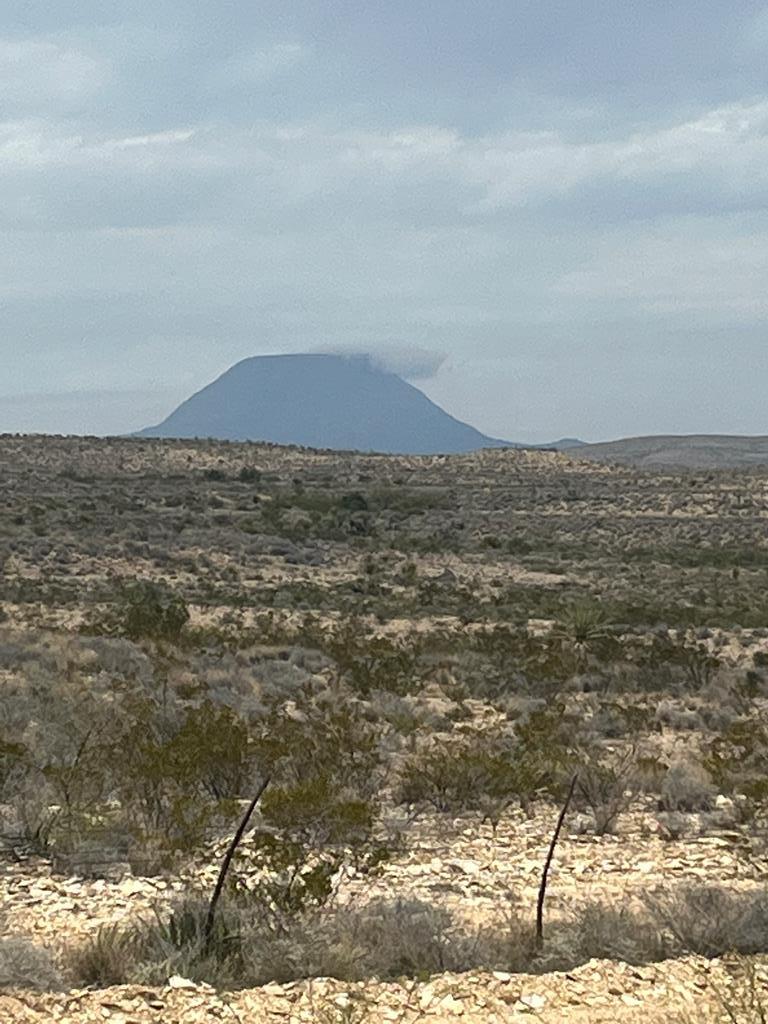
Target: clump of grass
x=618, y=933
x=149, y=951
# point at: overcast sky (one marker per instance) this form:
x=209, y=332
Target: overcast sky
x=552, y=215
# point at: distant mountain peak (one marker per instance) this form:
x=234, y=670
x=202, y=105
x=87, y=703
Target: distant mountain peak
x=321, y=400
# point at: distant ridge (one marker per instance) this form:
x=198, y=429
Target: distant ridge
x=682, y=451
x=321, y=401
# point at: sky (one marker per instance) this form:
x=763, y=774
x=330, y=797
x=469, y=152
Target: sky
x=551, y=216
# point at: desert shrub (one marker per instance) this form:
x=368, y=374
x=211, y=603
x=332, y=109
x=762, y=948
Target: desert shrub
x=13, y=756
x=458, y=775
x=152, y=610
x=711, y=921
x=369, y=663
x=320, y=733
x=513, y=658
x=510, y=659
x=608, y=784
x=412, y=938
x=174, y=779
x=316, y=828
x=322, y=756
x=108, y=956
x=212, y=750
x=679, y=719
x=686, y=786
x=25, y=965
x=169, y=942
x=611, y=719
x=56, y=777
x=385, y=939
x=100, y=758
x=396, y=939
x=90, y=757
x=617, y=933
x=487, y=771
x=686, y=654
x=737, y=761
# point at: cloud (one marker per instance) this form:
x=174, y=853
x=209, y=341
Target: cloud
x=255, y=66
x=727, y=146
x=39, y=75
x=688, y=270
x=409, y=362
x=270, y=171
x=35, y=143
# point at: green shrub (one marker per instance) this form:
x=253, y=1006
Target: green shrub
x=153, y=611
x=487, y=771
x=737, y=761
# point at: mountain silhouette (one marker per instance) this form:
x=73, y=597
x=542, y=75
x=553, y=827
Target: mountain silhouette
x=321, y=401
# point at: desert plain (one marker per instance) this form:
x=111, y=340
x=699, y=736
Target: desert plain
x=421, y=657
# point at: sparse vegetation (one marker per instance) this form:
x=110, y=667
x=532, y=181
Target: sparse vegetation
x=420, y=655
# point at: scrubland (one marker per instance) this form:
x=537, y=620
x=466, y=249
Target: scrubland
x=420, y=654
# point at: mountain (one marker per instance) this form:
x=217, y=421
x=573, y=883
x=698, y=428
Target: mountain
x=321, y=401
x=684, y=451
x=565, y=444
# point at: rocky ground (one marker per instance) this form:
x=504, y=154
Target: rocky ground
x=596, y=993
x=456, y=863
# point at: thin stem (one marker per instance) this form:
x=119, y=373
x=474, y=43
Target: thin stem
x=548, y=862
x=207, y=934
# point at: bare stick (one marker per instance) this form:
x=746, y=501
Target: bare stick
x=547, y=864
x=227, y=861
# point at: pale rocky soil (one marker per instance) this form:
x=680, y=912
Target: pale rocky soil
x=596, y=993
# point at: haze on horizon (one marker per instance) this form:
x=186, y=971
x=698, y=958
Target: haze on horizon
x=553, y=218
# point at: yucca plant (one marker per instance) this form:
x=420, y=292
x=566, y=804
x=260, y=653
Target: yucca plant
x=584, y=633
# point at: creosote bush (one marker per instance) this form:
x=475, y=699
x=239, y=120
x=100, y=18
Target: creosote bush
x=487, y=770
x=152, y=610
